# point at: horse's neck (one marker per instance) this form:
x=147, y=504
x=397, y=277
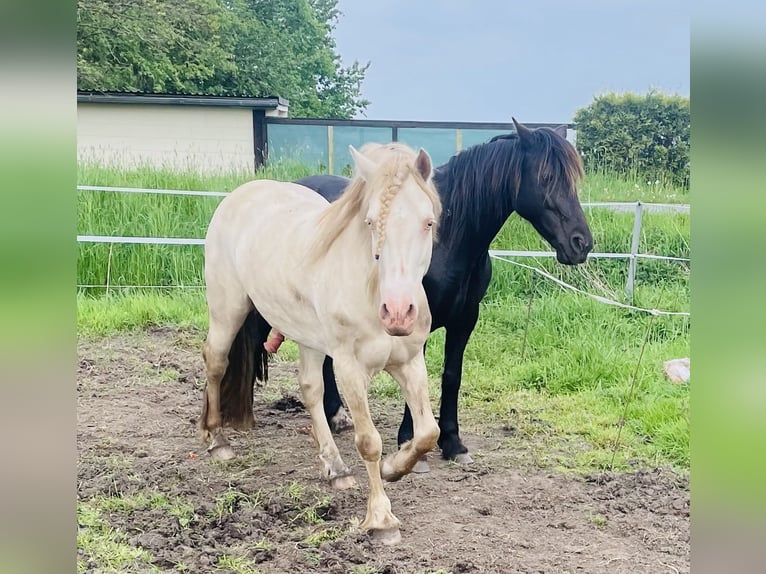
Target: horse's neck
x=352, y=254
x=478, y=225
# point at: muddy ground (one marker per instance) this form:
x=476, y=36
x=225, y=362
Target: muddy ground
x=152, y=500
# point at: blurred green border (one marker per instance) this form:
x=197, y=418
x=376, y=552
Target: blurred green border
x=37, y=298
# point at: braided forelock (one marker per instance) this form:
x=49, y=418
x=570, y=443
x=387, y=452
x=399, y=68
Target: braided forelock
x=387, y=198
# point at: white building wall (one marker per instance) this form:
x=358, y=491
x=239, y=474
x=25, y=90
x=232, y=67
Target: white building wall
x=188, y=138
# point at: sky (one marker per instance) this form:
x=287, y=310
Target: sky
x=488, y=60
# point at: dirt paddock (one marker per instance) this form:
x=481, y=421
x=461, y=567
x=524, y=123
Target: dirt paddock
x=143, y=472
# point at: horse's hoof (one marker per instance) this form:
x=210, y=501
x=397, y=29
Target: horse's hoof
x=463, y=458
x=422, y=466
x=343, y=482
x=341, y=421
x=222, y=452
x=387, y=536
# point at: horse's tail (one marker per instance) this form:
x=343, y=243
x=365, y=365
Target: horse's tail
x=248, y=361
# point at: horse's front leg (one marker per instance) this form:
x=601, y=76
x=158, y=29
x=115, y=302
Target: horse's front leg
x=413, y=380
x=310, y=379
x=353, y=381
x=451, y=445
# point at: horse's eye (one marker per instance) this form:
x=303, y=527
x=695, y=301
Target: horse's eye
x=430, y=224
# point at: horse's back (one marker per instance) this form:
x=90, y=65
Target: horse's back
x=266, y=201
x=330, y=187
x=259, y=214
x=273, y=195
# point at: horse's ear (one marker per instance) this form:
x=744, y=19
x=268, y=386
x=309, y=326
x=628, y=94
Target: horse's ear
x=364, y=166
x=525, y=134
x=423, y=164
x=561, y=130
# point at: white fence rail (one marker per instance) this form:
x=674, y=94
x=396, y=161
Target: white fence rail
x=613, y=205
x=637, y=207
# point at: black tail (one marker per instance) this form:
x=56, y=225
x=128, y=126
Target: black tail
x=248, y=361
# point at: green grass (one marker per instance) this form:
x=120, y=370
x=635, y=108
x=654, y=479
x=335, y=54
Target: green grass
x=570, y=389
x=176, y=507
x=146, y=215
x=105, y=546
x=229, y=501
x=318, y=537
x=107, y=213
x=130, y=310
x=603, y=185
x=236, y=565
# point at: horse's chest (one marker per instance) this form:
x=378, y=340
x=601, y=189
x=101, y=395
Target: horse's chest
x=374, y=352
x=456, y=292
x=447, y=301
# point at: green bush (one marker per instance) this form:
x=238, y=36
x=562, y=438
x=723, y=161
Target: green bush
x=646, y=135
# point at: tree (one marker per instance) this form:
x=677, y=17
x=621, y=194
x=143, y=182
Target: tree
x=219, y=47
x=148, y=45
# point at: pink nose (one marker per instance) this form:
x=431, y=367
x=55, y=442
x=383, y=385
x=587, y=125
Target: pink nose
x=398, y=317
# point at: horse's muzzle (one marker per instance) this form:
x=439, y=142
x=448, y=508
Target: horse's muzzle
x=576, y=252
x=398, y=317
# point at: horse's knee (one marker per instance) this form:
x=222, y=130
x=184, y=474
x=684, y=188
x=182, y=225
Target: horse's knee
x=369, y=445
x=427, y=439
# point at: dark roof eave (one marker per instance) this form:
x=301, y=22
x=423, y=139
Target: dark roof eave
x=221, y=101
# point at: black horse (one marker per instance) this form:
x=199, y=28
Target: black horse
x=532, y=172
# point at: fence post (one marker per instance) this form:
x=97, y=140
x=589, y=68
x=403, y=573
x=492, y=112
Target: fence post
x=634, y=250
x=109, y=268
x=260, y=139
x=330, y=151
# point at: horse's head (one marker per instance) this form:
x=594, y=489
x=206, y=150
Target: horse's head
x=402, y=212
x=547, y=192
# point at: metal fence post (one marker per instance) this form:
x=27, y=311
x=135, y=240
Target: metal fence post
x=330, y=151
x=634, y=250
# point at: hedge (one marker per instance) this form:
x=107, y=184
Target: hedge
x=646, y=135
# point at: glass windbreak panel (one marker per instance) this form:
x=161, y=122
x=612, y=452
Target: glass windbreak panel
x=295, y=143
x=475, y=137
x=344, y=136
x=440, y=143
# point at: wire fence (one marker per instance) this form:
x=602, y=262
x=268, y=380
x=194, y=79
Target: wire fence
x=638, y=209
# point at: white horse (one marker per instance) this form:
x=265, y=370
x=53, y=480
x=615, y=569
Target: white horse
x=341, y=279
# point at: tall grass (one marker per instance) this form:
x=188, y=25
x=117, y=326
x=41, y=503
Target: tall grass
x=579, y=354
x=110, y=213
x=147, y=215
x=605, y=185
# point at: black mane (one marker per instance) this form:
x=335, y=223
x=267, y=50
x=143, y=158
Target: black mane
x=486, y=178
x=481, y=179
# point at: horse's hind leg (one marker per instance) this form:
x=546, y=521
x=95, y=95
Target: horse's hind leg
x=224, y=324
x=333, y=407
